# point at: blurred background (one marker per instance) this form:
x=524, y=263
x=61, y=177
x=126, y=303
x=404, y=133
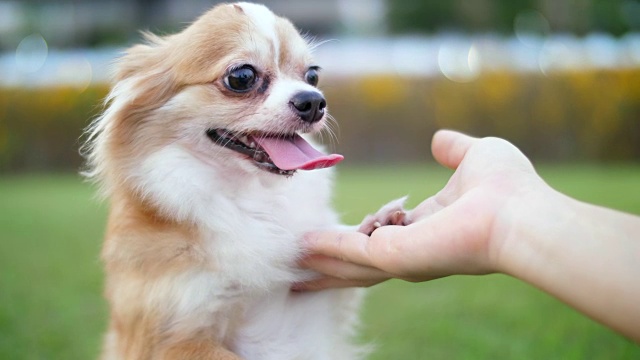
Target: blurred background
x=558, y=78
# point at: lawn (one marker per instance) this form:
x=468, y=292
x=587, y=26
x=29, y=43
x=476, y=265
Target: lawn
x=50, y=277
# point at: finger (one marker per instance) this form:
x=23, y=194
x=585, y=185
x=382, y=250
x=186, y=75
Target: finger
x=450, y=241
x=346, y=246
x=343, y=270
x=324, y=283
x=449, y=147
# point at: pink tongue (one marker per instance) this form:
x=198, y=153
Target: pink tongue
x=296, y=154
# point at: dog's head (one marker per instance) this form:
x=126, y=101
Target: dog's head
x=233, y=90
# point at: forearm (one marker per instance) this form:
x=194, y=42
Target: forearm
x=587, y=256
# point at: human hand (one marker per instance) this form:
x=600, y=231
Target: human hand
x=496, y=215
x=460, y=230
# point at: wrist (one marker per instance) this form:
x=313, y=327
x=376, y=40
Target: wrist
x=582, y=254
x=520, y=234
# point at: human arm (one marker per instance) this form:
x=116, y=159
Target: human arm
x=497, y=215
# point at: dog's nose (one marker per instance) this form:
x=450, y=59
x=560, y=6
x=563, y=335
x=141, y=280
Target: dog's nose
x=309, y=105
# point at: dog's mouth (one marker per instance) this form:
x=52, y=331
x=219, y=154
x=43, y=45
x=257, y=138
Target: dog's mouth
x=280, y=154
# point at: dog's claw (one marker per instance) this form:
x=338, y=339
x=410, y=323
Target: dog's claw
x=397, y=218
x=392, y=213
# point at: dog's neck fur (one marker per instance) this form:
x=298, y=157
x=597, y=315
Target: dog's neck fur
x=254, y=220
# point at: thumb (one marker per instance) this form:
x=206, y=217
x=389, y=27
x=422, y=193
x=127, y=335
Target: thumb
x=449, y=147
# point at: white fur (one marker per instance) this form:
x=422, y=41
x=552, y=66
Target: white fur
x=264, y=20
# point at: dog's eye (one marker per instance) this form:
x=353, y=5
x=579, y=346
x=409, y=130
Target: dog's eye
x=311, y=76
x=241, y=79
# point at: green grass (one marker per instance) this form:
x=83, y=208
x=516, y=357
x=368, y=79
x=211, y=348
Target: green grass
x=51, y=305
x=50, y=278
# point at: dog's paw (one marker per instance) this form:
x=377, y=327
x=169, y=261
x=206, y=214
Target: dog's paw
x=392, y=213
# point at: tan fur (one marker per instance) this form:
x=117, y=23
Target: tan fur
x=141, y=247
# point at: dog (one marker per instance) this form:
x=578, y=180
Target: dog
x=203, y=153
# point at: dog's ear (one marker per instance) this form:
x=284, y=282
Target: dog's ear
x=146, y=72
x=140, y=58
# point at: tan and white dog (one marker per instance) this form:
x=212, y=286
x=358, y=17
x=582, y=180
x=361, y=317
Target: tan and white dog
x=199, y=152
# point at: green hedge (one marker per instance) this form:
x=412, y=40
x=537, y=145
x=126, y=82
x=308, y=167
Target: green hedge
x=568, y=116
x=40, y=128
x=582, y=116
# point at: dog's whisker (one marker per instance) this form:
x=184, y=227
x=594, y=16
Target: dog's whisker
x=330, y=128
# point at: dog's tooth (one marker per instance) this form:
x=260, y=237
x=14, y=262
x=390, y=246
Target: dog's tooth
x=252, y=145
x=260, y=156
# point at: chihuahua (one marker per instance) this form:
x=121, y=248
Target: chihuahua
x=204, y=155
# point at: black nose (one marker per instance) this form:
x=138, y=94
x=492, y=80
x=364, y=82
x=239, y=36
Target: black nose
x=309, y=105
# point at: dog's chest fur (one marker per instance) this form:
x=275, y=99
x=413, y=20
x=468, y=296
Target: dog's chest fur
x=250, y=226
x=256, y=246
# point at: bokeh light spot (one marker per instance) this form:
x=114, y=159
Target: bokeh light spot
x=530, y=25
x=459, y=61
x=31, y=53
x=76, y=71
